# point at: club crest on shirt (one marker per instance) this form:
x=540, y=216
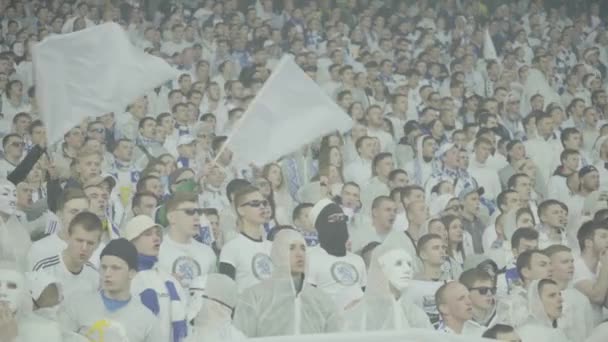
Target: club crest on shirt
x=187, y=268
x=344, y=273
x=261, y=266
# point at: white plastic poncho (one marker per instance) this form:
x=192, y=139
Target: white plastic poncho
x=577, y=321
x=538, y=327
x=275, y=307
x=213, y=321
x=379, y=309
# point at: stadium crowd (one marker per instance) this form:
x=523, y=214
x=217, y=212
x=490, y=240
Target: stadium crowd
x=469, y=198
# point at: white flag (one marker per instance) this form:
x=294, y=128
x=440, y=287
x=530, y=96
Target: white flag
x=489, y=51
x=289, y=111
x=90, y=73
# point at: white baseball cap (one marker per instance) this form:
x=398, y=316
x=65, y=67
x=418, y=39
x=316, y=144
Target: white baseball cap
x=138, y=225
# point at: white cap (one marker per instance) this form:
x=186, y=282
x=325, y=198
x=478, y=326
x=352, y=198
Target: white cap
x=39, y=281
x=317, y=208
x=185, y=140
x=138, y=225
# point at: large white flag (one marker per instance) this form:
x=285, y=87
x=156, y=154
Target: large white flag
x=90, y=73
x=289, y=111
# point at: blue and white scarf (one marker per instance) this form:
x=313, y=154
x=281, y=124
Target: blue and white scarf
x=149, y=298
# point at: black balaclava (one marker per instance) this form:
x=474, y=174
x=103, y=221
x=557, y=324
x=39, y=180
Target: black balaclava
x=332, y=235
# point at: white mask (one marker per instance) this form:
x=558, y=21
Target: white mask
x=8, y=198
x=11, y=288
x=397, y=267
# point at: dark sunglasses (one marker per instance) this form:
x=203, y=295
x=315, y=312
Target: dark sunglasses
x=484, y=290
x=97, y=130
x=255, y=204
x=192, y=211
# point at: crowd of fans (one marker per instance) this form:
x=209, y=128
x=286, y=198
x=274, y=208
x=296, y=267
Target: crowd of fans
x=470, y=196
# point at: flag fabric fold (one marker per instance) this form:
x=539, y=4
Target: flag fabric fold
x=90, y=73
x=290, y=111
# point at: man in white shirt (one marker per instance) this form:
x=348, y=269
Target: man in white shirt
x=72, y=267
x=382, y=166
x=360, y=169
x=543, y=149
x=383, y=213
x=551, y=230
x=180, y=255
x=456, y=310
x=176, y=44
x=482, y=292
x=485, y=176
x=112, y=312
x=71, y=203
x=591, y=267
x=375, y=128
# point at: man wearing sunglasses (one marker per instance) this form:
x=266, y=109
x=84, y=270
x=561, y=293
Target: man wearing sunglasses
x=180, y=254
x=482, y=292
x=13, y=146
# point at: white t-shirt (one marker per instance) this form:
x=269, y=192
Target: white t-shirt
x=52, y=245
x=188, y=261
x=342, y=278
x=422, y=293
x=250, y=259
x=582, y=272
x=86, y=280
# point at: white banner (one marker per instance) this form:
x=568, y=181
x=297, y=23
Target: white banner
x=90, y=73
x=412, y=335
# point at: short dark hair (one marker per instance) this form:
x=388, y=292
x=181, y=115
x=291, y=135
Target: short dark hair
x=546, y=204
x=523, y=234
x=139, y=195
x=234, y=186
x=424, y=239
x=297, y=211
x=493, y=332
x=469, y=277
x=396, y=172
x=7, y=138
x=178, y=198
x=68, y=195
x=587, y=231
x=501, y=199
x=512, y=182
x=87, y=221
x=567, y=132
x=141, y=183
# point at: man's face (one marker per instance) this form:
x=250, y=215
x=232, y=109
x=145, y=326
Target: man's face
x=482, y=152
x=375, y=117
x=435, y=252
x=571, y=162
x=417, y=212
x=367, y=149
x=481, y=294
x=400, y=180
x=551, y=297
x=14, y=147
x=384, y=214
x=146, y=206
x=185, y=218
x=115, y=274
x=451, y=158
x=591, y=181
x=384, y=167
x=148, y=130
x=148, y=243
x=540, y=267
x=98, y=199
x=562, y=266
x=24, y=195
x=545, y=126
x=73, y=208
x=97, y=131
x=154, y=186
x=124, y=151
x=574, y=141
x=82, y=244
x=22, y=124
x=297, y=257
x=471, y=203
x=350, y=196
x=89, y=166
x=458, y=302
x=523, y=187
x=511, y=202
x=551, y=216
x=600, y=241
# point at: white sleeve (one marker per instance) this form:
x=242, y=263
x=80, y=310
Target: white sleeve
x=581, y=272
x=229, y=254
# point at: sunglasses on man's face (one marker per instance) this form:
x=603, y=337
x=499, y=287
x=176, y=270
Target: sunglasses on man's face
x=484, y=290
x=17, y=144
x=192, y=211
x=255, y=204
x=96, y=130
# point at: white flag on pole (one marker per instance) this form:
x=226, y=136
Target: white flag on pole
x=289, y=111
x=489, y=51
x=90, y=73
